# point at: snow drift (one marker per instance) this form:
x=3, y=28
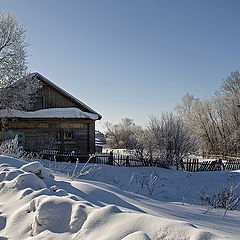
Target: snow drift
x=37, y=207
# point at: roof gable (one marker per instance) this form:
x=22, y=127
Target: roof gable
x=63, y=92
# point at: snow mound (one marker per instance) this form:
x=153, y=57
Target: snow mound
x=7, y=175
x=57, y=215
x=137, y=235
x=18, y=179
x=30, y=175
x=34, y=167
x=109, y=221
x=52, y=213
x=28, y=180
x=40, y=171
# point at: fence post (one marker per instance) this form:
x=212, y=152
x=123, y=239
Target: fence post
x=110, y=159
x=127, y=161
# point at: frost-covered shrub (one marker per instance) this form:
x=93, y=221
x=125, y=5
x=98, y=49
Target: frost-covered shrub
x=148, y=182
x=10, y=147
x=225, y=198
x=85, y=170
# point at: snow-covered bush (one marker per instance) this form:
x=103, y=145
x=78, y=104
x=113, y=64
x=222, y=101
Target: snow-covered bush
x=10, y=147
x=208, y=201
x=225, y=198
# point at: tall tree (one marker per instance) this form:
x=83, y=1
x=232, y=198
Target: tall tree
x=13, y=65
x=13, y=50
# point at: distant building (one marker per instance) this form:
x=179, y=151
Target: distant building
x=100, y=141
x=57, y=121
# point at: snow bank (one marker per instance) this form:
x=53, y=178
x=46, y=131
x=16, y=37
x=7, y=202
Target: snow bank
x=38, y=207
x=49, y=113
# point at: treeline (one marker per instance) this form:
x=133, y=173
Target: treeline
x=215, y=121
x=164, y=138
x=209, y=126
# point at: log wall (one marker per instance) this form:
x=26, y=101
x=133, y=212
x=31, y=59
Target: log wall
x=56, y=134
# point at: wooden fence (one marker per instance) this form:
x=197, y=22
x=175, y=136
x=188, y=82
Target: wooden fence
x=128, y=161
x=192, y=165
x=232, y=164
x=115, y=159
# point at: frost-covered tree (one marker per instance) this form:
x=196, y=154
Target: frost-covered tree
x=231, y=84
x=203, y=119
x=20, y=94
x=142, y=144
x=13, y=50
x=165, y=138
x=215, y=121
x=171, y=138
x=121, y=135
x=13, y=65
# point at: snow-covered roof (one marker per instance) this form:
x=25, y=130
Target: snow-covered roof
x=49, y=113
x=44, y=79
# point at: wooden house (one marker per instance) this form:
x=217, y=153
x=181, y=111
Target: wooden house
x=57, y=121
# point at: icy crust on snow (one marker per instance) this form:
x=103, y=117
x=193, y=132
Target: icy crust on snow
x=33, y=204
x=49, y=113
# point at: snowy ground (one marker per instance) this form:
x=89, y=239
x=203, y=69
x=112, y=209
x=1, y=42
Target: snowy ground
x=109, y=203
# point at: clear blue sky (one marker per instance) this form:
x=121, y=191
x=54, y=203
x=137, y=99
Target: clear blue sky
x=132, y=58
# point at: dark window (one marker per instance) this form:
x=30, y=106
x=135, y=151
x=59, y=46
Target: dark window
x=68, y=135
